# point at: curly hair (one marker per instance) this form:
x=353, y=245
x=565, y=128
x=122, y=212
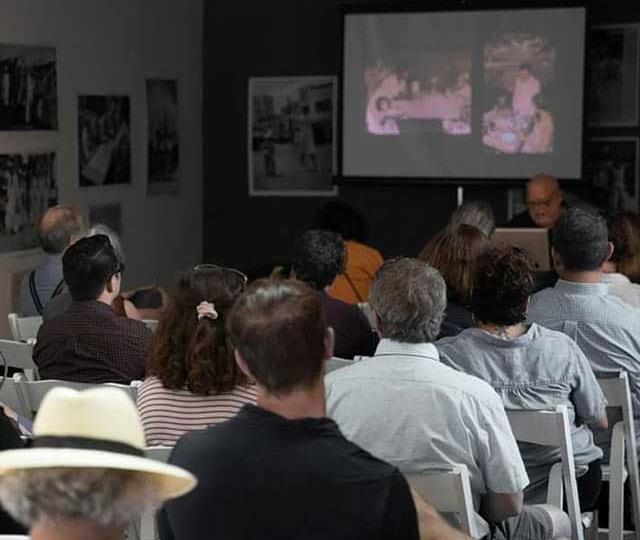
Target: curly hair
x=453, y=252
x=195, y=353
x=624, y=234
x=318, y=257
x=106, y=497
x=502, y=286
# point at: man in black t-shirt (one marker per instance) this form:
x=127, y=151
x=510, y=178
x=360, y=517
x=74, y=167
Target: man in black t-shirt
x=281, y=469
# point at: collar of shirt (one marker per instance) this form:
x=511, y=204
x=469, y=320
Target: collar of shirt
x=615, y=277
x=390, y=347
x=93, y=306
x=257, y=415
x=496, y=341
x=574, y=287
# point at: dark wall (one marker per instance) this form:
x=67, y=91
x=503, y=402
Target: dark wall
x=244, y=38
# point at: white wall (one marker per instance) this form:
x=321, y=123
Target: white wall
x=111, y=47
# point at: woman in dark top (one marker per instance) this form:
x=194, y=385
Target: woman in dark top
x=9, y=438
x=453, y=252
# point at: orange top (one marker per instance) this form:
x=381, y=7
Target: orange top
x=362, y=264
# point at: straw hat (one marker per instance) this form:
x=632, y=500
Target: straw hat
x=96, y=428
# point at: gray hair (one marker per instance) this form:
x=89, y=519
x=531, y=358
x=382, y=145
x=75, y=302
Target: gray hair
x=101, y=228
x=106, y=497
x=479, y=214
x=409, y=297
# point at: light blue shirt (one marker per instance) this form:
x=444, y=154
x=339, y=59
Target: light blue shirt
x=538, y=370
x=47, y=277
x=407, y=408
x=604, y=327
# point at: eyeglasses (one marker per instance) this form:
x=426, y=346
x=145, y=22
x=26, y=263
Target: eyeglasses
x=242, y=277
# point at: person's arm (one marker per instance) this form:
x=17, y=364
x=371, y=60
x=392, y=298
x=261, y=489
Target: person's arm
x=431, y=525
x=496, y=507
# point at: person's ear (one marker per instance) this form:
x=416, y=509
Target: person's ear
x=329, y=343
x=112, y=283
x=610, y=249
x=242, y=364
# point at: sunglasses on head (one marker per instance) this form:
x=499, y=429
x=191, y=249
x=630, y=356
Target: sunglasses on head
x=224, y=269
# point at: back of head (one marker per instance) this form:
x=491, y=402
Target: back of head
x=580, y=239
x=502, y=286
x=409, y=298
x=318, y=257
x=100, y=228
x=343, y=219
x=478, y=214
x=453, y=252
x=58, y=227
x=624, y=234
x=279, y=327
x=192, y=350
x=87, y=265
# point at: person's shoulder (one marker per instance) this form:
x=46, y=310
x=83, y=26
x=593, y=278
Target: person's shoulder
x=365, y=251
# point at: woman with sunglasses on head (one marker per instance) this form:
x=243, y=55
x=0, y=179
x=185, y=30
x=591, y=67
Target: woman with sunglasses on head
x=192, y=378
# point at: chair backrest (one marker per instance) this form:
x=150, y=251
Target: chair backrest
x=552, y=428
x=336, y=363
x=151, y=324
x=159, y=453
x=615, y=387
x=18, y=355
x=33, y=392
x=24, y=328
x=11, y=395
x=448, y=491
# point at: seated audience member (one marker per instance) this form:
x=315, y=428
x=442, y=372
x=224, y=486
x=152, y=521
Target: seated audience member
x=545, y=204
x=362, y=261
x=604, y=327
x=89, y=342
x=406, y=407
x=58, y=228
x=453, y=252
x=9, y=439
x=318, y=257
x=192, y=378
x=623, y=266
x=478, y=214
x=281, y=469
x=85, y=477
x=530, y=367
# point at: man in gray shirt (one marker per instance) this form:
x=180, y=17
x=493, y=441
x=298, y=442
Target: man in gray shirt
x=407, y=408
x=58, y=228
x=604, y=327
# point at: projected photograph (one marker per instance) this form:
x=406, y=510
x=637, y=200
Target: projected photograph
x=612, y=92
x=27, y=188
x=517, y=70
x=611, y=167
x=291, y=136
x=431, y=92
x=104, y=146
x=28, y=88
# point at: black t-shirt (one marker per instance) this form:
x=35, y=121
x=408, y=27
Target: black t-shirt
x=261, y=476
x=522, y=220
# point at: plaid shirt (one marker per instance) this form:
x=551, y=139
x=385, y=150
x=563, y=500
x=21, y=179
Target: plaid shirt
x=90, y=343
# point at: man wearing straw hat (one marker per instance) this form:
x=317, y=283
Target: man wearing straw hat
x=85, y=476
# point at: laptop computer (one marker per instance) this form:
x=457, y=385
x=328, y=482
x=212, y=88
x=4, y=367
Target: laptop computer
x=534, y=241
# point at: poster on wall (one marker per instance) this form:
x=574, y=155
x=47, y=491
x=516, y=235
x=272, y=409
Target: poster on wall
x=611, y=167
x=163, y=143
x=27, y=188
x=292, y=123
x=612, y=89
x=28, y=88
x=104, y=148
x=107, y=214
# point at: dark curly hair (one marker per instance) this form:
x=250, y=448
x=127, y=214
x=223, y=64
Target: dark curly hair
x=318, y=257
x=502, y=286
x=191, y=353
x=624, y=234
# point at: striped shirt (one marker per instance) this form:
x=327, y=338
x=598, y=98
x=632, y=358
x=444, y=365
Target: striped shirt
x=168, y=414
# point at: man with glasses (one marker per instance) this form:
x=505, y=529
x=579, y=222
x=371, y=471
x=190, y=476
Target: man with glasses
x=89, y=342
x=545, y=203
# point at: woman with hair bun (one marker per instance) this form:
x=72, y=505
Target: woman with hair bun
x=192, y=378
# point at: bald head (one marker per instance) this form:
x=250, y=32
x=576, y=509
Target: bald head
x=544, y=200
x=59, y=227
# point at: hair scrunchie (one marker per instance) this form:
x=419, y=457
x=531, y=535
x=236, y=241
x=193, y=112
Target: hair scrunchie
x=206, y=310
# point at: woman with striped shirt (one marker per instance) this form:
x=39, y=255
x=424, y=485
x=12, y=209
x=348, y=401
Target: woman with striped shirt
x=192, y=378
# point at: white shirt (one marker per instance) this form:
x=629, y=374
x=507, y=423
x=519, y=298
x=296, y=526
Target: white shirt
x=621, y=286
x=407, y=408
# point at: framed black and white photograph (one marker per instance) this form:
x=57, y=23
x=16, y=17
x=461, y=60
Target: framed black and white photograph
x=27, y=188
x=28, y=88
x=104, y=149
x=611, y=168
x=292, y=123
x=612, y=76
x=109, y=214
x=163, y=143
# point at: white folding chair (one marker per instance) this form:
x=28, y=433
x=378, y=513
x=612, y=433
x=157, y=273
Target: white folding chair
x=151, y=324
x=24, y=328
x=11, y=395
x=19, y=355
x=615, y=387
x=13, y=537
x=336, y=363
x=448, y=491
x=551, y=428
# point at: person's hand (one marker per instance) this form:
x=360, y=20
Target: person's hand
x=131, y=311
